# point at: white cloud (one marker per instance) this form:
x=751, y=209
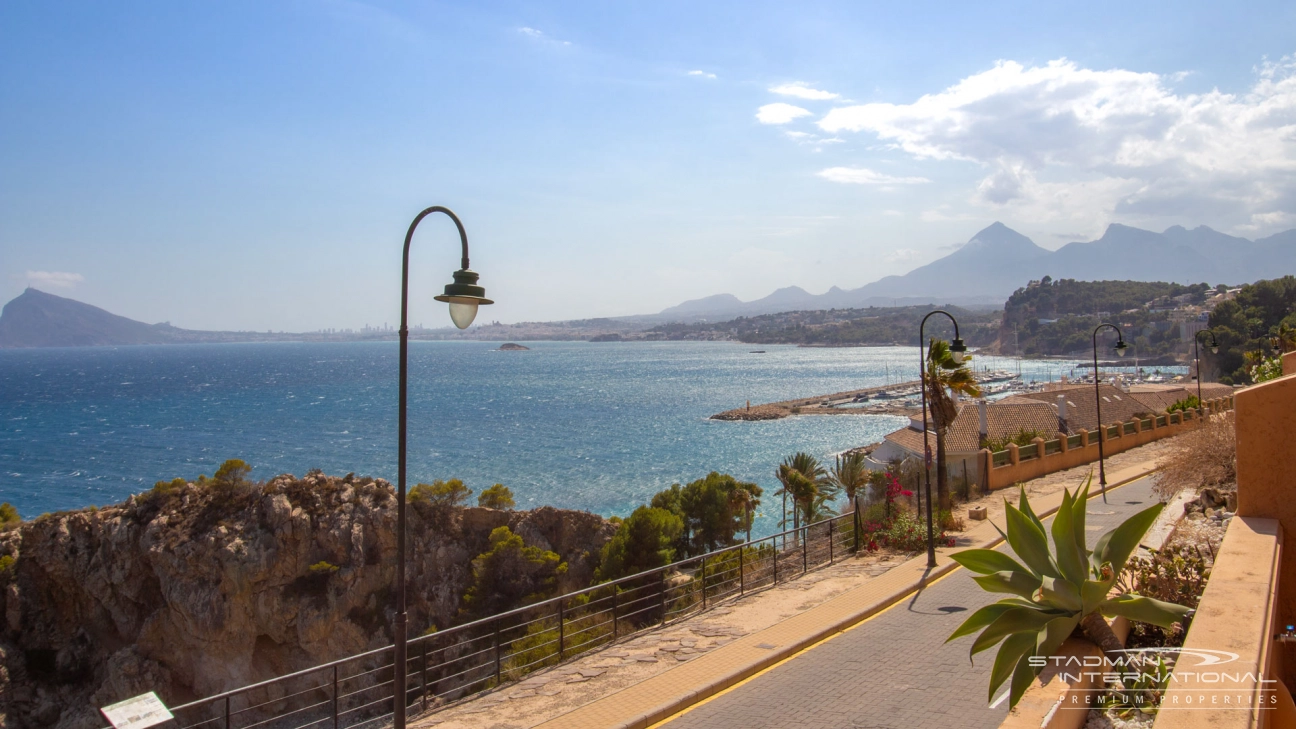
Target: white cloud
x=801, y=91
x=779, y=113
x=902, y=255
x=53, y=279
x=541, y=36
x=1066, y=143
x=864, y=176
x=702, y=74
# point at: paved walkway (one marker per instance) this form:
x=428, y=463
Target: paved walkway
x=893, y=670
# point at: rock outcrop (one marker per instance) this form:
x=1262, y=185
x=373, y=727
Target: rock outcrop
x=197, y=588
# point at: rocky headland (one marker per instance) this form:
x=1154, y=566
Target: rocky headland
x=196, y=588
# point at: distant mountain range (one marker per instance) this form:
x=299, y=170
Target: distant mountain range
x=999, y=260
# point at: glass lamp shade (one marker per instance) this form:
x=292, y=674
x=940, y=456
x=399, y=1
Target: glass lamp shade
x=957, y=350
x=1214, y=349
x=464, y=296
x=1120, y=349
x=462, y=314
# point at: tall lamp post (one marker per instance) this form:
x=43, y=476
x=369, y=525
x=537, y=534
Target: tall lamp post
x=1214, y=348
x=463, y=296
x=1102, y=431
x=957, y=348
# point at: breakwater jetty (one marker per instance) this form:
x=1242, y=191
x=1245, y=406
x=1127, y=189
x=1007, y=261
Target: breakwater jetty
x=867, y=401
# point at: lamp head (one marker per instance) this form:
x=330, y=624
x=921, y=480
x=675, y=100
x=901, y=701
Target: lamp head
x=958, y=350
x=1214, y=349
x=1121, y=346
x=464, y=296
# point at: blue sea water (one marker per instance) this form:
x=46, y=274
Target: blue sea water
x=573, y=424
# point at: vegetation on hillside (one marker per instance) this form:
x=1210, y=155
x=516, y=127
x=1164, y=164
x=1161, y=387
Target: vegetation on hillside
x=1261, y=319
x=838, y=327
x=1058, y=317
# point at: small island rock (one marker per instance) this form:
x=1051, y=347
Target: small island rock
x=512, y=347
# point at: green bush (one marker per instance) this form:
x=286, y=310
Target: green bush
x=511, y=574
x=6, y=562
x=645, y=540
x=323, y=568
x=498, y=496
x=440, y=493
x=1021, y=438
x=8, y=514
x=1188, y=403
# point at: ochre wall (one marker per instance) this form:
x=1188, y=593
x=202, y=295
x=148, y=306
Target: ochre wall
x=1012, y=473
x=1266, y=470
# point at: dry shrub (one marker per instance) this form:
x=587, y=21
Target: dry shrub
x=1205, y=456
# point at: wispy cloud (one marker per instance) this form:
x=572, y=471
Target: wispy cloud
x=780, y=113
x=865, y=176
x=702, y=74
x=802, y=91
x=53, y=279
x=1065, y=144
x=541, y=36
x=902, y=255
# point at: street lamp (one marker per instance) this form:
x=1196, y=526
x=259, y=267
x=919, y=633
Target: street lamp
x=957, y=350
x=1102, y=431
x=1214, y=348
x=464, y=296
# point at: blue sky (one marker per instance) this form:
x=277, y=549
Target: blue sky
x=254, y=165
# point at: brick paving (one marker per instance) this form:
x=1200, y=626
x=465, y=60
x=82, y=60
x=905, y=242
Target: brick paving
x=894, y=670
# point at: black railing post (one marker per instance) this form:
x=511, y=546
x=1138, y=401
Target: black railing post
x=423, y=676
x=805, y=549
x=497, y=652
x=614, y=612
x=742, y=581
x=776, y=554
x=335, y=697
x=562, y=636
x=830, y=541
x=662, y=595
x=227, y=711
x=703, y=571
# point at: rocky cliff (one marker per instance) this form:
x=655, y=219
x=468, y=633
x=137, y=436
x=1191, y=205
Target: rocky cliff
x=197, y=588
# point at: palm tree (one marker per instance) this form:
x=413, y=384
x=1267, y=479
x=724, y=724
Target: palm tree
x=852, y=476
x=809, y=485
x=943, y=374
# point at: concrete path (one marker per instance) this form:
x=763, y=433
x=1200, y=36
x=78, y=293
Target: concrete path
x=892, y=670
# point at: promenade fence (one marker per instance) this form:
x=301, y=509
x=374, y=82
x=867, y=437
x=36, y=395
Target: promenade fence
x=458, y=662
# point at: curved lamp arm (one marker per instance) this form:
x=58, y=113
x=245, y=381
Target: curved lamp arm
x=957, y=348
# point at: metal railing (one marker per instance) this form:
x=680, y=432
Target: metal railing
x=457, y=662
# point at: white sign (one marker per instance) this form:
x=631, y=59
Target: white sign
x=137, y=713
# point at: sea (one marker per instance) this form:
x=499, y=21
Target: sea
x=593, y=426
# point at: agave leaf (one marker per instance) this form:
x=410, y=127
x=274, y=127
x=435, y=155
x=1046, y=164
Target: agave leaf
x=1070, y=560
x=1079, y=508
x=1054, y=632
x=1030, y=544
x=1116, y=546
x=1013, y=620
x=1145, y=610
x=1023, y=505
x=1093, y=593
x=988, y=561
x=1021, y=680
x=1013, y=650
x=1061, y=594
x=1022, y=584
x=981, y=618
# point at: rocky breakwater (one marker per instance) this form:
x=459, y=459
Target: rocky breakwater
x=197, y=588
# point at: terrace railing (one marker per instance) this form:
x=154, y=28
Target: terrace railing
x=457, y=662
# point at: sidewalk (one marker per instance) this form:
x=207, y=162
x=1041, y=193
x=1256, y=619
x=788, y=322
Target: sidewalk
x=661, y=696
x=894, y=670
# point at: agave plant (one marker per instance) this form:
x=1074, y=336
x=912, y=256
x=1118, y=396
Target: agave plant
x=1056, y=590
